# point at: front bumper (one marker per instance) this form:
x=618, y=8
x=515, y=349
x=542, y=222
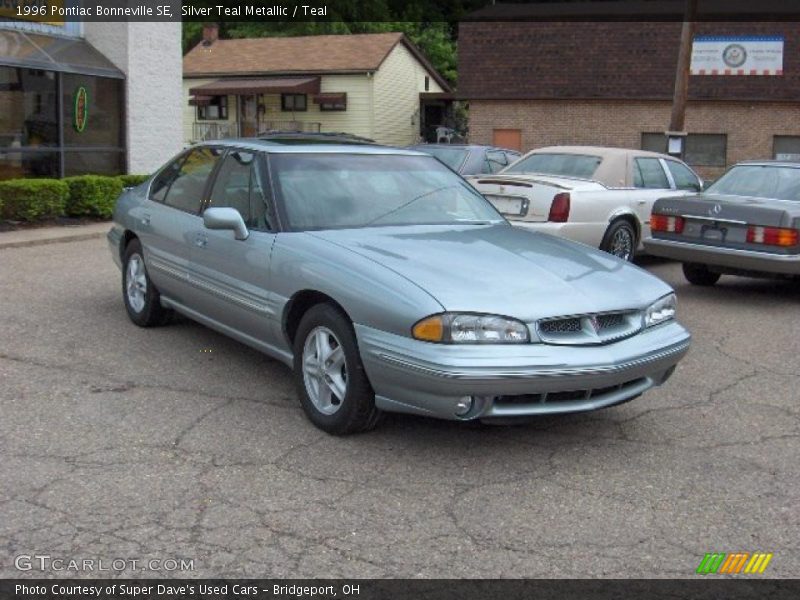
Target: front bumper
x=730, y=258
x=515, y=380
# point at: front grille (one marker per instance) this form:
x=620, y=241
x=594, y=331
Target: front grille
x=567, y=396
x=609, y=321
x=557, y=326
x=590, y=329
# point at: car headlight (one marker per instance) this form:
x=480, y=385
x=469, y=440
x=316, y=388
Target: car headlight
x=660, y=311
x=462, y=328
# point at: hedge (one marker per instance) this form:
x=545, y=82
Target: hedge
x=32, y=199
x=132, y=180
x=92, y=195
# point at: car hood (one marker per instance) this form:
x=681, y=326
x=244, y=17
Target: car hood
x=500, y=269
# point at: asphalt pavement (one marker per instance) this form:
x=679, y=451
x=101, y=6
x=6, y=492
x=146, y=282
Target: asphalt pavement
x=178, y=443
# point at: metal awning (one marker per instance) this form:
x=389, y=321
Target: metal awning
x=330, y=98
x=268, y=85
x=49, y=53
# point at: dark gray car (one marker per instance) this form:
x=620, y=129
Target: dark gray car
x=745, y=223
x=388, y=283
x=470, y=159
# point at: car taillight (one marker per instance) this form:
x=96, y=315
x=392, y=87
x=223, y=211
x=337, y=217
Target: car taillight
x=772, y=236
x=667, y=223
x=559, y=209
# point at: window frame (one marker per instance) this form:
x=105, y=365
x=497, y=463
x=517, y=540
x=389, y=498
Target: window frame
x=775, y=139
x=222, y=106
x=285, y=108
x=690, y=136
x=664, y=171
x=266, y=186
x=210, y=179
x=673, y=182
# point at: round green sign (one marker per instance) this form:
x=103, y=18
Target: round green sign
x=81, y=109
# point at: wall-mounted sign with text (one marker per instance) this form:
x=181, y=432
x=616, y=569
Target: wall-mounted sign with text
x=737, y=55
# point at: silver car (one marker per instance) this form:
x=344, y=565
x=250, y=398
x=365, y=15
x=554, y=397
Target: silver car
x=388, y=284
x=746, y=223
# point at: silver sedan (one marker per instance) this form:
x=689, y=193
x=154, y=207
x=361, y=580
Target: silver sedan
x=388, y=284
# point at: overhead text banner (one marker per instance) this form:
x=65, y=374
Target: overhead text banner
x=371, y=11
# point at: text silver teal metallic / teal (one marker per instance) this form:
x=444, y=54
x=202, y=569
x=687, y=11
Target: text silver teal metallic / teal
x=389, y=284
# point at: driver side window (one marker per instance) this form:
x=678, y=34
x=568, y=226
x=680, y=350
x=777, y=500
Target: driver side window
x=182, y=184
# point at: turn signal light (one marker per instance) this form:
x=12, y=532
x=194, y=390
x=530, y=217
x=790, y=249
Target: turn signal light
x=666, y=223
x=430, y=329
x=772, y=236
x=559, y=209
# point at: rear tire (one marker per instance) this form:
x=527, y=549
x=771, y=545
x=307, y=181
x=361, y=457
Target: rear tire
x=331, y=382
x=141, y=297
x=698, y=274
x=620, y=240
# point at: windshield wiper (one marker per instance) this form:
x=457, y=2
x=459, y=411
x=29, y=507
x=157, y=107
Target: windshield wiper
x=409, y=203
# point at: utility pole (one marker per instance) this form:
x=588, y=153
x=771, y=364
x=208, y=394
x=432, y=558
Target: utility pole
x=676, y=135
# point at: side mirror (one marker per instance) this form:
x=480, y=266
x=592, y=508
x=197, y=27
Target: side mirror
x=226, y=218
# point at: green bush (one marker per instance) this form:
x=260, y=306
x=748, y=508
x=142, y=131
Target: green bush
x=31, y=199
x=92, y=195
x=132, y=180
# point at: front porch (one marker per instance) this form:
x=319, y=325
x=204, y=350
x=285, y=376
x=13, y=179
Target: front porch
x=203, y=131
x=250, y=107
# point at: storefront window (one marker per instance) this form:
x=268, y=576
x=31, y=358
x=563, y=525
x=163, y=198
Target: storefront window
x=87, y=137
x=28, y=108
x=15, y=164
x=96, y=162
x=98, y=124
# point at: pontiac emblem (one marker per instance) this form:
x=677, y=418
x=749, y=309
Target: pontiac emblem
x=595, y=323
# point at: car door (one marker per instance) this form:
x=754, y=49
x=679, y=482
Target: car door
x=169, y=219
x=651, y=180
x=232, y=276
x=683, y=178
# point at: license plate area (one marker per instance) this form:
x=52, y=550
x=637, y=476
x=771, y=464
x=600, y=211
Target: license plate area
x=516, y=206
x=714, y=234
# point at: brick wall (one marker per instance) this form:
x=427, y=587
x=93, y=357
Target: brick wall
x=750, y=127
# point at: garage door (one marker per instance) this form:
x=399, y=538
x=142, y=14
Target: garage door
x=507, y=138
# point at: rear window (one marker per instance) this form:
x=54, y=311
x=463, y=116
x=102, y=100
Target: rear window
x=760, y=181
x=571, y=165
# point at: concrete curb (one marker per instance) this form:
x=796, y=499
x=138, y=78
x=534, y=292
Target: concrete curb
x=55, y=235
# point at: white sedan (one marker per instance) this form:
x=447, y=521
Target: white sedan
x=599, y=196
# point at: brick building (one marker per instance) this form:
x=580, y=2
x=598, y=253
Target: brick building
x=533, y=84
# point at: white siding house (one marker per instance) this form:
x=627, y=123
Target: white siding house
x=366, y=85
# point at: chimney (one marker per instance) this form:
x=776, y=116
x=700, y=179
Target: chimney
x=210, y=33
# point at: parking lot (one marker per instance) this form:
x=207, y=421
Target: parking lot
x=119, y=442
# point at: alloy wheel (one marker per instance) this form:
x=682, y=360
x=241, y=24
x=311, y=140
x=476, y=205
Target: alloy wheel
x=324, y=370
x=622, y=244
x=136, y=283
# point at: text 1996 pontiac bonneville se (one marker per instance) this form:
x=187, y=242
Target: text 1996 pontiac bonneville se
x=388, y=284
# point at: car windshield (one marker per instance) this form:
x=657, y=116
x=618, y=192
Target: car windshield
x=452, y=157
x=571, y=165
x=335, y=191
x=760, y=181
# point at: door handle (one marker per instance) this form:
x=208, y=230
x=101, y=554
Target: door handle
x=146, y=219
x=642, y=202
x=200, y=240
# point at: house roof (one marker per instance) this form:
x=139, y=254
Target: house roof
x=608, y=60
x=315, y=54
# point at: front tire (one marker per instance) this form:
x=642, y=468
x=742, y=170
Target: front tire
x=142, y=299
x=330, y=378
x=620, y=240
x=698, y=274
